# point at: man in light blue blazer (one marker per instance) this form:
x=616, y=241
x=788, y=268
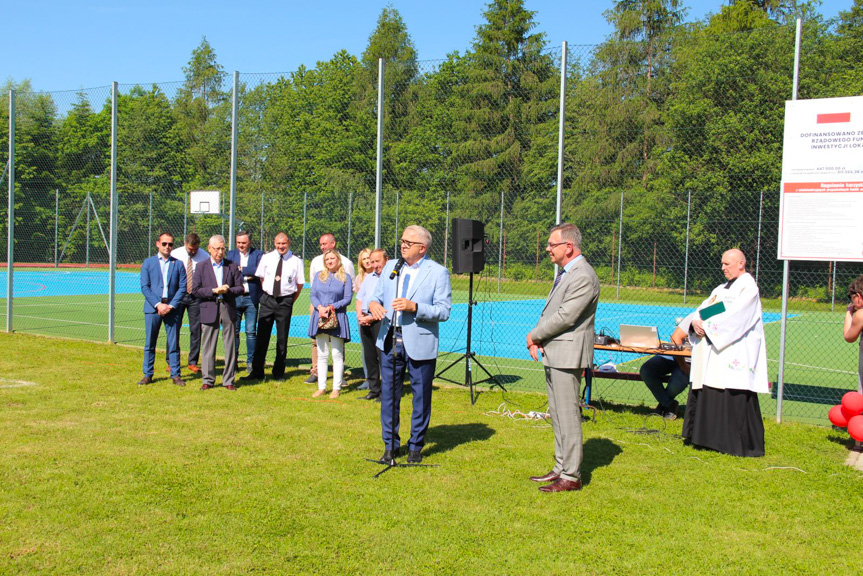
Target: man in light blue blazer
x=163, y=284
x=412, y=297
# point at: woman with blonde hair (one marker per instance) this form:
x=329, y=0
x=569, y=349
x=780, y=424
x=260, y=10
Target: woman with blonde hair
x=364, y=266
x=330, y=295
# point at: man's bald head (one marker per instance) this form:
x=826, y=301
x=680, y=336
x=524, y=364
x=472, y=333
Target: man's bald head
x=733, y=264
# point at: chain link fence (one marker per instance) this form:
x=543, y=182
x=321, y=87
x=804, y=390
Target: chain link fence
x=672, y=154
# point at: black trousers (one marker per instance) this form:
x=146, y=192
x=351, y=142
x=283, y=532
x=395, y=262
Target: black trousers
x=190, y=306
x=372, y=356
x=273, y=311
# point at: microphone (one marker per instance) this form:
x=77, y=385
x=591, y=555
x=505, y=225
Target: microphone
x=398, y=267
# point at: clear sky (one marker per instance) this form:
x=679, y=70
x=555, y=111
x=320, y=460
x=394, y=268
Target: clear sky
x=72, y=44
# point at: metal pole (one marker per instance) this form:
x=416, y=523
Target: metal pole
x=87, y=239
x=560, y=139
x=396, y=231
x=150, y=227
x=235, y=118
x=786, y=267
x=446, y=231
x=500, y=243
x=379, y=170
x=112, y=226
x=350, y=215
x=261, y=237
x=560, y=135
x=758, y=242
x=833, y=292
x=619, y=244
x=686, y=257
x=305, y=203
x=56, y=223
x=10, y=227
x=185, y=212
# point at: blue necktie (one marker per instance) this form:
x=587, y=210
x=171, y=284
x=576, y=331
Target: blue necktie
x=405, y=284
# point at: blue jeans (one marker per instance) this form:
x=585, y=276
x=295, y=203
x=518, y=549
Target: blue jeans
x=245, y=308
x=654, y=370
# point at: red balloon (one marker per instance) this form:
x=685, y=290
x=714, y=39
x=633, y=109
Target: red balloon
x=855, y=428
x=853, y=402
x=837, y=416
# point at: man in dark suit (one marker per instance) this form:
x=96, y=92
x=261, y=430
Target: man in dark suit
x=564, y=337
x=163, y=284
x=216, y=285
x=247, y=258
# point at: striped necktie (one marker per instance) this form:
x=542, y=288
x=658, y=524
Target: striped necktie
x=557, y=278
x=189, y=275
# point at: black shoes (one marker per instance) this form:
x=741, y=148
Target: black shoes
x=389, y=457
x=415, y=457
x=668, y=412
x=370, y=397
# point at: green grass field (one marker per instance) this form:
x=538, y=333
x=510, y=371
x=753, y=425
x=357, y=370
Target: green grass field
x=101, y=476
x=819, y=365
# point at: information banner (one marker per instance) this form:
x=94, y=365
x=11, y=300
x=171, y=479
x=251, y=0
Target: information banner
x=821, y=204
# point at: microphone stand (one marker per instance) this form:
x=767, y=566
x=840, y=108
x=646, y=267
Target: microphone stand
x=391, y=463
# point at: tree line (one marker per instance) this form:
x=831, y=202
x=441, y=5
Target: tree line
x=666, y=109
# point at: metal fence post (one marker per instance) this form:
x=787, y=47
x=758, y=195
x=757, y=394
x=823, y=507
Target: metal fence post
x=112, y=234
x=261, y=237
x=56, y=223
x=619, y=244
x=350, y=215
x=786, y=267
x=379, y=168
x=500, y=243
x=560, y=136
x=87, y=239
x=758, y=242
x=305, y=204
x=234, y=130
x=10, y=227
x=686, y=256
x=446, y=231
x=150, y=227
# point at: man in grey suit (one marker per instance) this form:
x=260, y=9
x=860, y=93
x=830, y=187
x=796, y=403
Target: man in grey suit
x=564, y=337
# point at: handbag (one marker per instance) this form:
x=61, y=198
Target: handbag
x=330, y=322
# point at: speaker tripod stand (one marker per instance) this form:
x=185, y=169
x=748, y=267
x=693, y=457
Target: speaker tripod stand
x=469, y=357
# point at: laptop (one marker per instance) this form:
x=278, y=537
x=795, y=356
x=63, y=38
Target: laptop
x=639, y=336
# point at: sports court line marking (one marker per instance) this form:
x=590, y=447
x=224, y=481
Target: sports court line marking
x=16, y=383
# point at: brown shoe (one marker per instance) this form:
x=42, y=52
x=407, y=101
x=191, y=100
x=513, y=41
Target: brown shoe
x=334, y=394
x=178, y=381
x=144, y=381
x=230, y=387
x=547, y=477
x=206, y=386
x=561, y=485
x=318, y=393
x=194, y=369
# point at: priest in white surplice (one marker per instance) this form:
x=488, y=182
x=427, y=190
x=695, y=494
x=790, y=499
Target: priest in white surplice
x=729, y=366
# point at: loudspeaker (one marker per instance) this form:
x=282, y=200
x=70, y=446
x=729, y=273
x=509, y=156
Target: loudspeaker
x=468, y=254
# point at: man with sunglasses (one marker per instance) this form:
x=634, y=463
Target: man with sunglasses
x=163, y=284
x=411, y=299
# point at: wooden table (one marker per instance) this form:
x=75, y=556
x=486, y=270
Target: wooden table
x=590, y=373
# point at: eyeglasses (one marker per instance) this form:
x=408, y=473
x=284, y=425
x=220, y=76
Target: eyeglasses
x=555, y=245
x=409, y=244
x=167, y=243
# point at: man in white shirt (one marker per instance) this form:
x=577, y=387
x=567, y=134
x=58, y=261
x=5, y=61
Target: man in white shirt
x=325, y=242
x=282, y=277
x=190, y=255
